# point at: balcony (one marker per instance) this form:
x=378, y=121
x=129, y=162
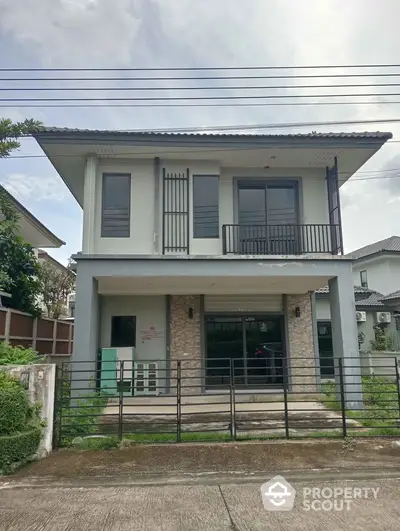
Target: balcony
x=281, y=239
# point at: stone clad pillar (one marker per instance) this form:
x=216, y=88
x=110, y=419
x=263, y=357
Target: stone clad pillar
x=185, y=341
x=302, y=368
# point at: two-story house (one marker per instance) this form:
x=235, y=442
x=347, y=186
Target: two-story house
x=207, y=248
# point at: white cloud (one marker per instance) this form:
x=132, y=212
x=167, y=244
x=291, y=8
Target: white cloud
x=34, y=188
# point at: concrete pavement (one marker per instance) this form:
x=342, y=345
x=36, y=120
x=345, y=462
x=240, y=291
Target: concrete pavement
x=216, y=507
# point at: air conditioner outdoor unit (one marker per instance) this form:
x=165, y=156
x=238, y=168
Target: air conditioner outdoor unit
x=361, y=317
x=383, y=317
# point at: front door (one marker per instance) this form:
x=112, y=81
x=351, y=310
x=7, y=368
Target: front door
x=247, y=348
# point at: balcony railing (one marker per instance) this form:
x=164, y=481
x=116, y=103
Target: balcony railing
x=281, y=239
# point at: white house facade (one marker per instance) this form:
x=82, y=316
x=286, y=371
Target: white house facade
x=208, y=248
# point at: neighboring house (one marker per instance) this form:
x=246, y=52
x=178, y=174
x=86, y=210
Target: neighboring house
x=30, y=228
x=376, y=271
x=370, y=309
x=208, y=248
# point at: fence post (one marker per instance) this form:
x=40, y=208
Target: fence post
x=285, y=396
x=178, y=402
x=34, y=332
x=54, y=343
x=121, y=400
x=397, y=363
x=342, y=397
x=61, y=399
x=232, y=400
x=7, y=326
x=56, y=427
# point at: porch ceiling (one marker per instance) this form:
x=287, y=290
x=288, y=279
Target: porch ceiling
x=208, y=286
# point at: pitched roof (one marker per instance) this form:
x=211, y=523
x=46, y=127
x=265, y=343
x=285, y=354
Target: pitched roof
x=55, y=241
x=391, y=244
x=376, y=135
x=373, y=299
x=393, y=295
x=357, y=289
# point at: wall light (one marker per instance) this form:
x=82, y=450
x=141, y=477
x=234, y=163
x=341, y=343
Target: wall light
x=190, y=313
x=297, y=311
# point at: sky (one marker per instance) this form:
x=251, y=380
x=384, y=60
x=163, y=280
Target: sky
x=164, y=33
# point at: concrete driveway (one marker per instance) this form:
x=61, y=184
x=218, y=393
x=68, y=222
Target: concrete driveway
x=211, y=507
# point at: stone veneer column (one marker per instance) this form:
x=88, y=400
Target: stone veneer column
x=185, y=341
x=301, y=362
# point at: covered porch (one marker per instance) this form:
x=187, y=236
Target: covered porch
x=212, y=314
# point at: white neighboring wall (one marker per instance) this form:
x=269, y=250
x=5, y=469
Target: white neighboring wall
x=383, y=273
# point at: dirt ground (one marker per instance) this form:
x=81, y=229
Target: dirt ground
x=196, y=458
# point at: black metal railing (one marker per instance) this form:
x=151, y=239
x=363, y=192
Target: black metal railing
x=281, y=239
x=228, y=399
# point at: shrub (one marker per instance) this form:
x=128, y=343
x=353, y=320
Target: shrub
x=97, y=443
x=10, y=355
x=14, y=405
x=18, y=447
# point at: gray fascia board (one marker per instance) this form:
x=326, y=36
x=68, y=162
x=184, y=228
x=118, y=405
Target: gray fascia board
x=205, y=140
x=212, y=258
x=210, y=268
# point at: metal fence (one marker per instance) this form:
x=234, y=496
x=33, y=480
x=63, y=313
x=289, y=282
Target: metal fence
x=179, y=401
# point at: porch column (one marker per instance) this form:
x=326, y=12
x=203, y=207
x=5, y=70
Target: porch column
x=345, y=338
x=86, y=328
x=302, y=370
x=185, y=341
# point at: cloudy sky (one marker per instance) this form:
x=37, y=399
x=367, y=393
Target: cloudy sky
x=154, y=33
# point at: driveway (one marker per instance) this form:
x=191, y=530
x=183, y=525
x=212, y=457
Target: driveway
x=188, y=507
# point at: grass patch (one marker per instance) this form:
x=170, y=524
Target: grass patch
x=381, y=406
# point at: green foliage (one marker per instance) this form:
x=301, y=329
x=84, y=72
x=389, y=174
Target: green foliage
x=19, y=268
x=56, y=286
x=10, y=133
x=381, y=341
x=380, y=403
x=18, y=447
x=14, y=405
x=10, y=355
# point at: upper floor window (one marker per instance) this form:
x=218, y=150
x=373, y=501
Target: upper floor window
x=364, y=278
x=116, y=205
x=205, y=206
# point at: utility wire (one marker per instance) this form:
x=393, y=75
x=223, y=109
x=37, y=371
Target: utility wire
x=216, y=87
x=200, y=78
x=191, y=98
x=236, y=104
x=192, y=78
x=198, y=68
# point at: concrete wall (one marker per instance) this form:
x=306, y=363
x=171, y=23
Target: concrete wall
x=41, y=381
x=146, y=227
x=379, y=363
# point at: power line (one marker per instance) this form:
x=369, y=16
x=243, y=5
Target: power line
x=236, y=104
x=191, y=98
x=216, y=87
x=198, y=68
x=200, y=78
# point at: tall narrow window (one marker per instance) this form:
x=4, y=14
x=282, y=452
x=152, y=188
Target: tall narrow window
x=364, y=278
x=116, y=205
x=205, y=206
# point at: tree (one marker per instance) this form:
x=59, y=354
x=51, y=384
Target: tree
x=56, y=286
x=10, y=134
x=19, y=268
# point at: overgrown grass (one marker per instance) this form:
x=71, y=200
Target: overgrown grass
x=381, y=406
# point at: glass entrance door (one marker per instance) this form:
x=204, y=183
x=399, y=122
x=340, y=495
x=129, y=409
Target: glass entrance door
x=252, y=345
